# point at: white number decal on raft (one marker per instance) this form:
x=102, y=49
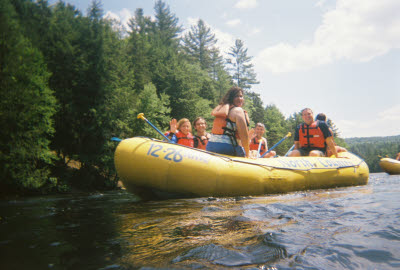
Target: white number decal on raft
x=176, y=155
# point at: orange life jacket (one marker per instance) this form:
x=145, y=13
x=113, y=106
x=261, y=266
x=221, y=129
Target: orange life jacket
x=185, y=139
x=254, y=145
x=199, y=143
x=182, y=139
x=220, y=126
x=311, y=136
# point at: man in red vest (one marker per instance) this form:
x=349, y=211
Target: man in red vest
x=310, y=137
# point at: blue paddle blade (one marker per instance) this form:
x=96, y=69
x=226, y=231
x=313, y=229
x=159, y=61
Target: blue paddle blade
x=115, y=139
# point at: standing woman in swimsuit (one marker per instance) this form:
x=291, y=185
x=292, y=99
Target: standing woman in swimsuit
x=230, y=134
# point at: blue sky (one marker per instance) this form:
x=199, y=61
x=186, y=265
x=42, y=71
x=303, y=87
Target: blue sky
x=340, y=57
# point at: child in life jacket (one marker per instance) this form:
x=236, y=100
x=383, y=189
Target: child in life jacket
x=202, y=137
x=257, y=142
x=180, y=132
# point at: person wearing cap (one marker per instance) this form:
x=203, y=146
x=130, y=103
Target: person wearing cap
x=312, y=138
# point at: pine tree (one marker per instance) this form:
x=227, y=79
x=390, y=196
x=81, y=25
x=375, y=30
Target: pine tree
x=240, y=66
x=139, y=48
x=155, y=108
x=199, y=43
x=117, y=110
x=26, y=108
x=166, y=25
x=65, y=60
x=256, y=110
x=222, y=81
x=276, y=128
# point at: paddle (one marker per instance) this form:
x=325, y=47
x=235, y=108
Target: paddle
x=278, y=143
x=141, y=116
x=291, y=148
x=115, y=139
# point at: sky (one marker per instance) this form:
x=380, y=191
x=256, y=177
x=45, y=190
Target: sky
x=339, y=57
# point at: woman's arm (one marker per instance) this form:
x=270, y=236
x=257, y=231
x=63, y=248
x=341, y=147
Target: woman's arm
x=331, y=145
x=221, y=110
x=237, y=115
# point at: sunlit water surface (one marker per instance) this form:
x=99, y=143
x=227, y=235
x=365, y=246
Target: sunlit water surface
x=343, y=228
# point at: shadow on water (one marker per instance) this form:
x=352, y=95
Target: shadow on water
x=351, y=228
x=71, y=232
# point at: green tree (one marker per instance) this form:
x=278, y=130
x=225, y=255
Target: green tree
x=34, y=18
x=184, y=87
x=240, y=66
x=199, y=43
x=276, y=128
x=222, y=81
x=26, y=108
x=155, y=108
x=65, y=60
x=256, y=111
x=139, y=48
x=117, y=111
x=166, y=25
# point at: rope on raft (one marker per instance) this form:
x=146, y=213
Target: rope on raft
x=225, y=158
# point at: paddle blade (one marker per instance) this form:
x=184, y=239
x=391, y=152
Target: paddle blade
x=115, y=139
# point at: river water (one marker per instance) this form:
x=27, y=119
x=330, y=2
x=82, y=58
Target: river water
x=343, y=228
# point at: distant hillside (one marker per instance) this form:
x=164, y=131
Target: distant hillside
x=389, y=139
x=370, y=148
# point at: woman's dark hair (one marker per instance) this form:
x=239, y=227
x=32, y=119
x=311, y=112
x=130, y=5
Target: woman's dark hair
x=321, y=117
x=230, y=95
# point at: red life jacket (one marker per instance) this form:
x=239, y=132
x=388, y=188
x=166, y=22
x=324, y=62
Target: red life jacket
x=185, y=139
x=254, y=145
x=199, y=143
x=311, y=136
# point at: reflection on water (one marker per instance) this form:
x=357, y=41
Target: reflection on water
x=352, y=228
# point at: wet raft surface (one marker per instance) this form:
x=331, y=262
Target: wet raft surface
x=354, y=228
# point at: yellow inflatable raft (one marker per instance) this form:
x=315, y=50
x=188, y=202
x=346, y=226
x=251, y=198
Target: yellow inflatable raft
x=152, y=168
x=389, y=165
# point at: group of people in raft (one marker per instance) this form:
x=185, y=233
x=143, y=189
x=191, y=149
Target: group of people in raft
x=230, y=134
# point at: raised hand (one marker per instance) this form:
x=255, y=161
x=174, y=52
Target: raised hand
x=252, y=133
x=172, y=125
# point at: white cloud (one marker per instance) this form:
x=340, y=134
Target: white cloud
x=246, y=4
x=192, y=21
x=122, y=16
x=391, y=114
x=320, y=3
x=225, y=40
x=233, y=22
x=383, y=125
x=356, y=30
x=254, y=31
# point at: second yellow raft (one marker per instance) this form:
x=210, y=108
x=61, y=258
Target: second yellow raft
x=389, y=165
